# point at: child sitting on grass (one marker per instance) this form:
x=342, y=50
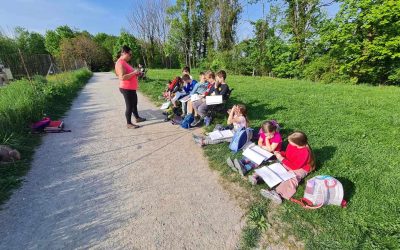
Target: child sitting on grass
x=199, y=89
x=270, y=140
x=237, y=119
x=299, y=159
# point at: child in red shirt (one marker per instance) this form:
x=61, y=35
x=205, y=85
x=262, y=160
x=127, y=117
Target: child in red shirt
x=298, y=158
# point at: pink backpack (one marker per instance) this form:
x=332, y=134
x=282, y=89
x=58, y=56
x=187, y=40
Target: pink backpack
x=322, y=190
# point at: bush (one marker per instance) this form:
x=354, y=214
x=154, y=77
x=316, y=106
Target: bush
x=324, y=69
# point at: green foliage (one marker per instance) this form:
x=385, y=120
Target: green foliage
x=54, y=38
x=353, y=131
x=106, y=41
x=24, y=102
x=30, y=42
x=130, y=41
x=324, y=69
x=366, y=39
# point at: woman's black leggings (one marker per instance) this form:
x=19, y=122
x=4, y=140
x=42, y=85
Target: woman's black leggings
x=131, y=101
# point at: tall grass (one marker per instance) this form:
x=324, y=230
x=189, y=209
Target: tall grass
x=24, y=102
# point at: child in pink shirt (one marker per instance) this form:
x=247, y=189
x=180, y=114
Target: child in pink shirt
x=270, y=140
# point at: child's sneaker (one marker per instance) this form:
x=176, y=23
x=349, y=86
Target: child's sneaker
x=271, y=195
x=239, y=166
x=231, y=164
x=198, y=140
x=253, y=179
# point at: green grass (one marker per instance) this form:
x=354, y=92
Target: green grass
x=354, y=132
x=23, y=102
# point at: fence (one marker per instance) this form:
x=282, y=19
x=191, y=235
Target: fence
x=20, y=65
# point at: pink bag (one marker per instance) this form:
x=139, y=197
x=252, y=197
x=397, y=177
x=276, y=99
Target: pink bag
x=40, y=125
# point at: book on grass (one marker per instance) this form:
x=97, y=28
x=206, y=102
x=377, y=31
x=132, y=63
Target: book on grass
x=256, y=154
x=165, y=105
x=223, y=134
x=274, y=174
x=214, y=100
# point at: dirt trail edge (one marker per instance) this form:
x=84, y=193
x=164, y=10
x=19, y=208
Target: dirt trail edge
x=104, y=186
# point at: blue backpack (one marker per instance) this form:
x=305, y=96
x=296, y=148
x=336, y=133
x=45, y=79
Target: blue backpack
x=240, y=138
x=189, y=118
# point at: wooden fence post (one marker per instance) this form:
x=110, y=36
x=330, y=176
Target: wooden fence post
x=23, y=63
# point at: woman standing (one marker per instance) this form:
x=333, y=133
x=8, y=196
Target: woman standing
x=128, y=86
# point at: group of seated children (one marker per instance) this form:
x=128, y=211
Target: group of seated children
x=297, y=158
x=192, y=94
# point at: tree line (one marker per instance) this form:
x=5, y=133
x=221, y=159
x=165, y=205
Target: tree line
x=294, y=39
x=65, y=44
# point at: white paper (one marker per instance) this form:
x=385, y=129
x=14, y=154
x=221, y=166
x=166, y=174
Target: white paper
x=268, y=176
x=224, y=134
x=195, y=97
x=165, y=105
x=178, y=95
x=213, y=100
x=274, y=174
x=185, y=99
x=256, y=154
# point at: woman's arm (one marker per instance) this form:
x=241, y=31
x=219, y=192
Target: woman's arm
x=119, y=70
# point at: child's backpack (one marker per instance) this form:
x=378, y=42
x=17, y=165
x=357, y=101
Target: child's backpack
x=322, y=190
x=39, y=126
x=189, y=118
x=240, y=138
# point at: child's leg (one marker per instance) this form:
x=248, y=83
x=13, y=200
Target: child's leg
x=288, y=188
x=189, y=107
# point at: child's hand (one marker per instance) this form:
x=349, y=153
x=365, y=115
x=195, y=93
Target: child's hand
x=278, y=156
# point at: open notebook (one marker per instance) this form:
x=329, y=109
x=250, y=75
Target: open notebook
x=214, y=99
x=274, y=174
x=223, y=134
x=256, y=154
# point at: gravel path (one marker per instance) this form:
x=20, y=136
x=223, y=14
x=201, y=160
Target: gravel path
x=104, y=186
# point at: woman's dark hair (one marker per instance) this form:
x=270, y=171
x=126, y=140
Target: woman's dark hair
x=125, y=49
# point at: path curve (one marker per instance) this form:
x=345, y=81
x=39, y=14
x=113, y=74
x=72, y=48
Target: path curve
x=103, y=186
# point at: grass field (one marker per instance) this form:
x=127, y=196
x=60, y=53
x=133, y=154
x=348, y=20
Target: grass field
x=355, y=134
x=23, y=102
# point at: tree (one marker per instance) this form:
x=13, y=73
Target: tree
x=106, y=41
x=366, y=40
x=229, y=11
x=129, y=40
x=54, y=38
x=30, y=42
x=84, y=48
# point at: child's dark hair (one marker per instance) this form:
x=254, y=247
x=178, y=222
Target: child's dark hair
x=300, y=138
x=270, y=126
x=186, y=68
x=222, y=74
x=186, y=77
x=202, y=73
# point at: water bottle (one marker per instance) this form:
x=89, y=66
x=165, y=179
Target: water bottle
x=207, y=121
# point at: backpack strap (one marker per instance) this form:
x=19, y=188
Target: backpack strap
x=305, y=203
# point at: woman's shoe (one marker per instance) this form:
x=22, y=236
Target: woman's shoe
x=132, y=126
x=140, y=119
x=271, y=195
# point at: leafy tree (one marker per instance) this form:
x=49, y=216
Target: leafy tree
x=107, y=41
x=30, y=42
x=54, y=38
x=366, y=40
x=129, y=40
x=84, y=48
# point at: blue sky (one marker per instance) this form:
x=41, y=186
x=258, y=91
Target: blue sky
x=95, y=16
